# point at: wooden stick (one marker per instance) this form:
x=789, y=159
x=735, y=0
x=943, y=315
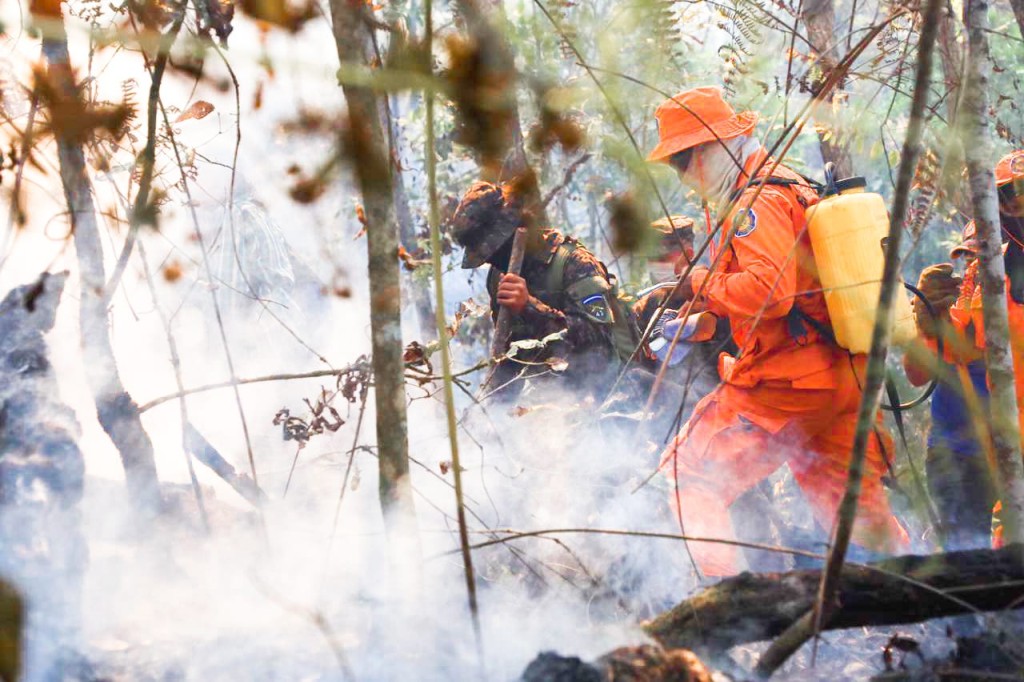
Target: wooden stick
x=502, y=331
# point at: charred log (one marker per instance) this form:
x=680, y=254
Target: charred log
x=910, y=589
x=626, y=664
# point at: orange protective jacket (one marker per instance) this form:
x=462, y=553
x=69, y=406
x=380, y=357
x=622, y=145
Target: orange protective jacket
x=768, y=269
x=968, y=319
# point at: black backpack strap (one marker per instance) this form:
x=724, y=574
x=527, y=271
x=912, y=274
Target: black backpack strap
x=797, y=322
x=778, y=182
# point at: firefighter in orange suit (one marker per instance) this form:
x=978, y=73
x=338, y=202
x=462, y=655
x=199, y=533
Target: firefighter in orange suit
x=967, y=314
x=1009, y=176
x=790, y=395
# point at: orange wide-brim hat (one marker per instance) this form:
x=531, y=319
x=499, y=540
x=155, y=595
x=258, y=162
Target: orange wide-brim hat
x=1010, y=168
x=695, y=117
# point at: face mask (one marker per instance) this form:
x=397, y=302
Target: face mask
x=661, y=271
x=713, y=171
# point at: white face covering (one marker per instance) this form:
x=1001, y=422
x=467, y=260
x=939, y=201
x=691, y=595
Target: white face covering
x=713, y=171
x=661, y=271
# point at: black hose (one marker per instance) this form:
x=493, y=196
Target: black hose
x=940, y=348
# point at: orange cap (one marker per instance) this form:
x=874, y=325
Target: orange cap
x=695, y=117
x=1010, y=168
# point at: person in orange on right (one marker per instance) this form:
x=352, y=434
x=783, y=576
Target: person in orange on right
x=790, y=396
x=956, y=466
x=967, y=314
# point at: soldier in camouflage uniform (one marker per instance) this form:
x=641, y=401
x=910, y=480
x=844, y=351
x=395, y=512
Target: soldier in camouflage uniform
x=562, y=287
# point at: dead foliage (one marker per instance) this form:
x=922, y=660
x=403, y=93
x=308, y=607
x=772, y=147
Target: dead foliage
x=415, y=355
x=71, y=117
x=555, y=127
x=467, y=310
x=306, y=190
x=197, y=110
x=351, y=384
x=280, y=13
x=215, y=16
x=900, y=647
x=643, y=663
x=155, y=15
x=627, y=221
x=409, y=261
x=483, y=94
x=45, y=8
x=172, y=272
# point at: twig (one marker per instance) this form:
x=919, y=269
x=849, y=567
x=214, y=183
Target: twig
x=231, y=213
x=176, y=365
x=442, y=335
x=140, y=207
x=567, y=178
x=519, y=535
x=316, y=618
x=348, y=471
x=216, y=304
x=242, y=382
x=26, y=150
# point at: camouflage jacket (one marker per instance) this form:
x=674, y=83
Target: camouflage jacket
x=580, y=300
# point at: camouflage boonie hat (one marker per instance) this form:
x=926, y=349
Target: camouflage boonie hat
x=483, y=222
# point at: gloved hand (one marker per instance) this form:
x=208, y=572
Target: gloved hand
x=686, y=290
x=941, y=287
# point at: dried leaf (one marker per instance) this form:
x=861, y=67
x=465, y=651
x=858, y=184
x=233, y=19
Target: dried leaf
x=45, y=8
x=445, y=467
x=414, y=354
x=361, y=217
x=534, y=344
x=71, y=116
x=172, y=271
x=409, y=261
x=628, y=223
x=257, y=97
x=558, y=364
x=280, y=12
x=308, y=190
x=198, y=110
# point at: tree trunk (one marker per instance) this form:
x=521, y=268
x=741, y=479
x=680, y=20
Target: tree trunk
x=1018, y=12
x=820, y=18
x=978, y=149
x=407, y=231
x=952, y=55
x=754, y=607
x=390, y=113
x=117, y=412
x=365, y=141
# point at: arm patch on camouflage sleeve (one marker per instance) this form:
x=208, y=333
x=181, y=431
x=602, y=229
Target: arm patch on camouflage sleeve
x=597, y=309
x=590, y=295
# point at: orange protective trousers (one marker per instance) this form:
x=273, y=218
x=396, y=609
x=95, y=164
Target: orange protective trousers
x=739, y=435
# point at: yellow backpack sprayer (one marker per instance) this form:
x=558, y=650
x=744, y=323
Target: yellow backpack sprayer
x=848, y=228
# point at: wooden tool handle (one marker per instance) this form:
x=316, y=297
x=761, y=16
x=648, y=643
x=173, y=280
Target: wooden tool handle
x=499, y=344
